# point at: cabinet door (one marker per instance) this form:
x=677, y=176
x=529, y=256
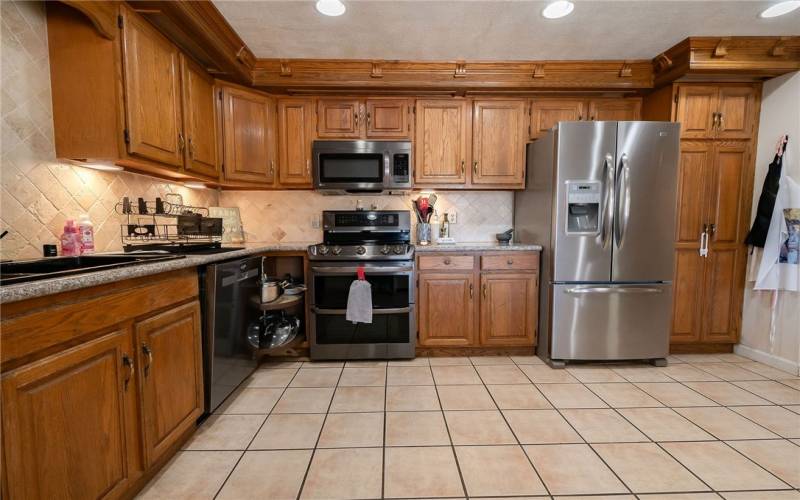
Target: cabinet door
x=498, y=143
x=441, y=147
x=69, y=428
x=694, y=173
x=615, y=109
x=737, y=109
x=170, y=366
x=388, y=119
x=695, y=111
x=339, y=119
x=152, y=81
x=446, y=309
x=687, y=302
x=199, y=120
x=247, y=127
x=295, y=128
x=508, y=309
x=545, y=113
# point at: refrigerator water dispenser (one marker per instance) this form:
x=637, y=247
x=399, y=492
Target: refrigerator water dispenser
x=583, y=207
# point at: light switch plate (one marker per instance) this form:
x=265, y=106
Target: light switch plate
x=452, y=217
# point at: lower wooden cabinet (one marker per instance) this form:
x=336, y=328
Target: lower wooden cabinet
x=478, y=299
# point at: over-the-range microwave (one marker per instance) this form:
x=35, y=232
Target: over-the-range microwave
x=362, y=166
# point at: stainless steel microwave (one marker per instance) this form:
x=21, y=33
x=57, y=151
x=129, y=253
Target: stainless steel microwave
x=362, y=166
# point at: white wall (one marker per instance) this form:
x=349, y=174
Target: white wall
x=780, y=114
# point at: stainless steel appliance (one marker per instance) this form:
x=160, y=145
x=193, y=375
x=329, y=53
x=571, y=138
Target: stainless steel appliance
x=601, y=200
x=227, y=288
x=362, y=166
x=378, y=241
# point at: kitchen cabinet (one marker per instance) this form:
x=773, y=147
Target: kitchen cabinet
x=478, y=299
x=339, y=118
x=199, y=121
x=498, y=142
x=388, y=118
x=441, y=149
x=296, y=134
x=370, y=118
x=248, y=136
x=546, y=112
x=716, y=112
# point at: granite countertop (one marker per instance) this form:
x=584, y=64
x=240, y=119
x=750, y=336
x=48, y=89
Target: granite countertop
x=477, y=247
x=22, y=291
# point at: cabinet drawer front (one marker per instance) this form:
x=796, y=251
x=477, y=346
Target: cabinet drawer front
x=510, y=261
x=445, y=262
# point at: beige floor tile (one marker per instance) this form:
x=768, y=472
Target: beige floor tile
x=491, y=360
x=358, y=399
x=497, y=470
x=573, y=469
x=603, y=426
x=726, y=393
x=775, y=418
x=518, y=397
x=316, y=377
x=450, y=361
x=725, y=424
x=767, y=371
x=687, y=373
x=421, y=472
x=570, y=396
x=781, y=457
x=365, y=364
x=762, y=495
x=527, y=360
x=455, y=375
x=225, y=432
x=624, y=395
x=587, y=374
x=676, y=496
x=270, y=378
x=191, y=475
x=772, y=391
x=601, y=497
x=411, y=398
x=419, y=361
x=674, y=394
x=722, y=467
x=646, y=468
x=275, y=475
x=247, y=400
x=793, y=383
x=342, y=474
x=730, y=357
x=543, y=374
x=478, y=427
x=273, y=365
x=285, y=432
x=642, y=374
x=674, y=360
x=323, y=364
x=409, y=375
x=416, y=428
x=698, y=358
x=304, y=400
x=502, y=374
x=793, y=408
x=352, y=430
x=664, y=424
x=465, y=397
x=540, y=427
x=363, y=377
x=728, y=371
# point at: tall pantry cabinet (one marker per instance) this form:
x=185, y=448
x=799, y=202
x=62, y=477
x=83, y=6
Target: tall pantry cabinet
x=719, y=124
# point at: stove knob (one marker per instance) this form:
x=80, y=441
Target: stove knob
x=399, y=249
x=385, y=250
x=337, y=250
x=322, y=249
x=361, y=250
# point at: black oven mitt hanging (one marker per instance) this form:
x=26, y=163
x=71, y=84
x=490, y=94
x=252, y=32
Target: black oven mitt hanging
x=766, y=202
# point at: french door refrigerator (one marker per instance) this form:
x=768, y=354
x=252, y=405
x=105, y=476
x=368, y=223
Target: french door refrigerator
x=600, y=200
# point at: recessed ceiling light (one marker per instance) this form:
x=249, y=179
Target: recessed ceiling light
x=559, y=8
x=194, y=185
x=330, y=7
x=780, y=9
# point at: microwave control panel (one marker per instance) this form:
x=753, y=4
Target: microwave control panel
x=400, y=172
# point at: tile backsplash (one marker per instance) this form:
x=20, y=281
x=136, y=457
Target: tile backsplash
x=275, y=216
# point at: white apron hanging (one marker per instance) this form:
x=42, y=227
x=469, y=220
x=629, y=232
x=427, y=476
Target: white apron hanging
x=780, y=261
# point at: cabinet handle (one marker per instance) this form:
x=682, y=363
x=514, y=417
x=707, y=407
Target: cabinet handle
x=126, y=361
x=191, y=148
x=712, y=228
x=272, y=167
x=510, y=262
x=484, y=290
x=704, y=241
x=447, y=261
x=715, y=120
x=475, y=167
x=355, y=116
x=149, y=353
x=181, y=142
x=470, y=290
x=591, y=118
x=308, y=168
x=719, y=121
x=580, y=117
x=368, y=119
x=462, y=167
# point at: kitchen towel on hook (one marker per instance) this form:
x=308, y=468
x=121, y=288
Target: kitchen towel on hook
x=359, y=300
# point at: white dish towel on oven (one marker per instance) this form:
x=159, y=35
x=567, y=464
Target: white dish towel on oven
x=359, y=302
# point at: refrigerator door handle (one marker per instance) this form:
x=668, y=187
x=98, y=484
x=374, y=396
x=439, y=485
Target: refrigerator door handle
x=622, y=201
x=608, y=200
x=611, y=289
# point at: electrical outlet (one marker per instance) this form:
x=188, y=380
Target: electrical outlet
x=452, y=217
x=316, y=221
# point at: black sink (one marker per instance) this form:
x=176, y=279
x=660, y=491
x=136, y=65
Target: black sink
x=21, y=271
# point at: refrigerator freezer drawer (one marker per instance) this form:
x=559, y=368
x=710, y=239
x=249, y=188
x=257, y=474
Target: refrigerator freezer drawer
x=610, y=321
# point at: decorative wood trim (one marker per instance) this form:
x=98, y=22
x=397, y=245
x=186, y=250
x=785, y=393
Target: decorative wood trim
x=102, y=14
x=377, y=70
x=286, y=68
x=461, y=70
x=721, y=50
x=779, y=49
x=538, y=71
x=625, y=71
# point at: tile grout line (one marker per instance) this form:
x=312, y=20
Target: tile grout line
x=449, y=436
x=383, y=447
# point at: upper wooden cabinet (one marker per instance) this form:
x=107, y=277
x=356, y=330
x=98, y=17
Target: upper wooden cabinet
x=498, y=142
x=371, y=118
x=248, y=131
x=546, y=112
x=388, y=118
x=441, y=150
x=716, y=112
x=339, y=118
x=199, y=121
x=295, y=133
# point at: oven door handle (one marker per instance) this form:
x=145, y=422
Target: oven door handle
x=334, y=270
x=394, y=310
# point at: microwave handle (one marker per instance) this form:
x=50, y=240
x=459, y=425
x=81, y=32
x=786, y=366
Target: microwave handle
x=387, y=168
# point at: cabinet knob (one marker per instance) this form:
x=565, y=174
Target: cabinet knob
x=510, y=261
x=475, y=167
x=447, y=261
x=149, y=353
x=127, y=362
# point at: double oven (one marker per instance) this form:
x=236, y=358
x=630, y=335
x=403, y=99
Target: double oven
x=379, y=243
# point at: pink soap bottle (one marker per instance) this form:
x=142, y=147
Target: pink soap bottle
x=70, y=239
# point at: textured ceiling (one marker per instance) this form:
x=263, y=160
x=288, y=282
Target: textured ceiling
x=491, y=29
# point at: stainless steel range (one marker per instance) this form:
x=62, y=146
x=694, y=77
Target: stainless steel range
x=378, y=241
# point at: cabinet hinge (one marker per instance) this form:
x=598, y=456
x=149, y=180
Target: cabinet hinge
x=417, y=281
x=119, y=21
x=127, y=136
x=220, y=95
x=676, y=98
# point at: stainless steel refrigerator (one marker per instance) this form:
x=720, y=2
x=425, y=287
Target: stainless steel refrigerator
x=600, y=199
